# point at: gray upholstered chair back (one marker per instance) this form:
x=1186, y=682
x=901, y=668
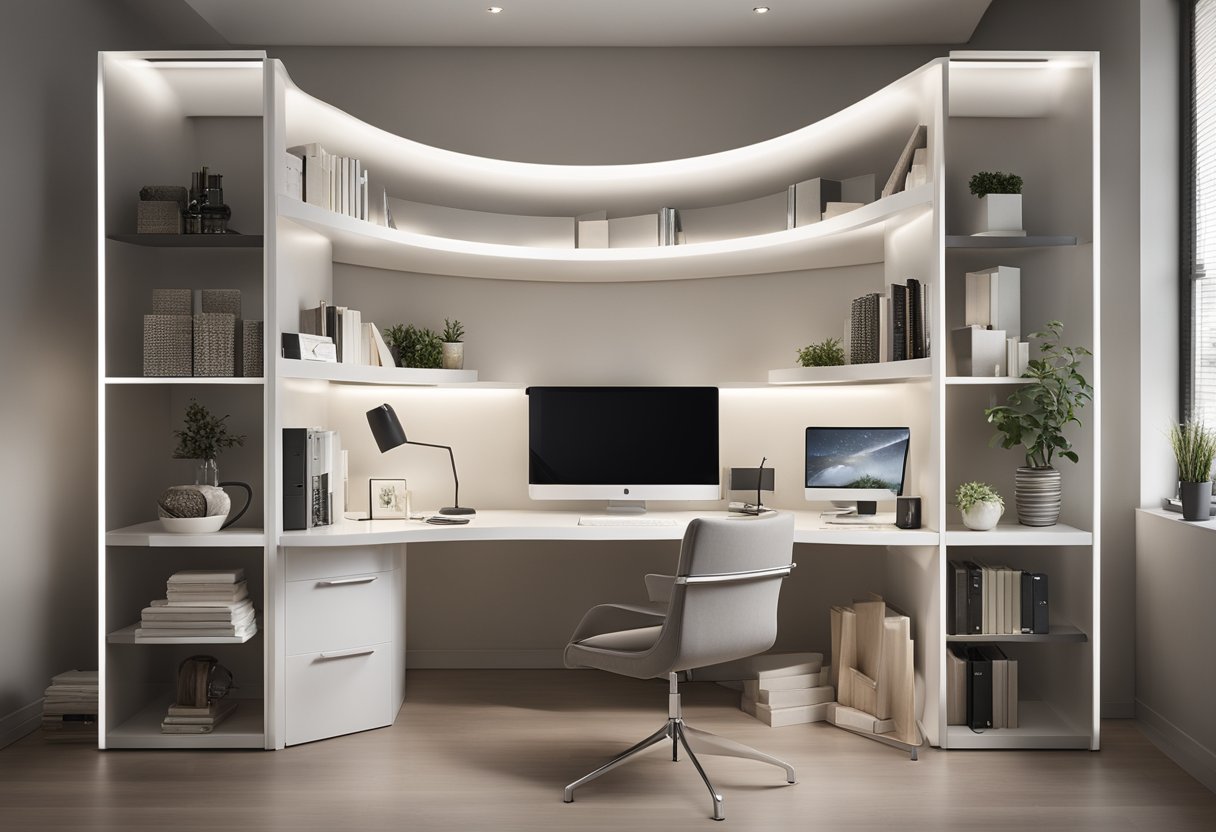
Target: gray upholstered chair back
x=712, y=622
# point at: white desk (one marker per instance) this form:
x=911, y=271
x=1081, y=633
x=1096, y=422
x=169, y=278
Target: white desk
x=501, y=524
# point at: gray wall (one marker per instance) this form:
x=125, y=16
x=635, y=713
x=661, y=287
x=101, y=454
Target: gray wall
x=48, y=328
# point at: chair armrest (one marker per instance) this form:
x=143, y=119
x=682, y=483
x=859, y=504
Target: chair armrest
x=658, y=587
x=611, y=618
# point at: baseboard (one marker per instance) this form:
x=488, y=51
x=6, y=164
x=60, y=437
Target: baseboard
x=483, y=659
x=20, y=722
x=1196, y=759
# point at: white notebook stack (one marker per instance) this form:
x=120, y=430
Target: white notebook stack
x=201, y=604
x=69, y=709
x=185, y=719
x=793, y=693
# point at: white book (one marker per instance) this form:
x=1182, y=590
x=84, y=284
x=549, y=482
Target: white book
x=885, y=339
x=792, y=698
x=857, y=720
x=752, y=687
x=835, y=209
x=162, y=605
x=1002, y=583
x=781, y=717
x=763, y=667
x=207, y=576
x=1016, y=581
x=386, y=355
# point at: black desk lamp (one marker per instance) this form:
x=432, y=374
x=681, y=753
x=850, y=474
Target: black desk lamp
x=389, y=433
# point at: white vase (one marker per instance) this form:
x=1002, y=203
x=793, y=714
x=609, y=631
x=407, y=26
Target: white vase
x=997, y=215
x=983, y=516
x=453, y=355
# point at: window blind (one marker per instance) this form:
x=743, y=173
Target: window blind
x=1199, y=289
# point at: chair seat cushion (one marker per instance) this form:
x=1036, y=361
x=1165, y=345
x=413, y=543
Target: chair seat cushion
x=626, y=641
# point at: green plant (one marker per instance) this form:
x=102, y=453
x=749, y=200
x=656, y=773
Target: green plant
x=453, y=331
x=429, y=349
x=827, y=353
x=204, y=435
x=1052, y=398
x=995, y=182
x=970, y=493
x=1194, y=446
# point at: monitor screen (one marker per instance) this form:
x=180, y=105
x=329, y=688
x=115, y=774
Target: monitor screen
x=855, y=463
x=626, y=443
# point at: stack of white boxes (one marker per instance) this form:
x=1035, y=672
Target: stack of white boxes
x=793, y=692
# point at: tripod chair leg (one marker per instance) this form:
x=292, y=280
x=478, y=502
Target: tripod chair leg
x=717, y=815
x=657, y=736
x=708, y=743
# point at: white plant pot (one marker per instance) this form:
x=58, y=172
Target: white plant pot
x=453, y=355
x=983, y=516
x=997, y=215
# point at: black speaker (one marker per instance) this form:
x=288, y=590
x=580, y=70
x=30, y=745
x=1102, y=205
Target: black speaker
x=907, y=512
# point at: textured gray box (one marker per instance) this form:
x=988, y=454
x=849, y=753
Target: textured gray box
x=251, y=349
x=172, y=301
x=214, y=344
x=225, y=301
x=167, y=345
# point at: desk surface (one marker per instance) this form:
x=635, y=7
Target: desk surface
x=498, y=524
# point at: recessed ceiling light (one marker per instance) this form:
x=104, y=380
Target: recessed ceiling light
x=495, y=10
x=761, y=9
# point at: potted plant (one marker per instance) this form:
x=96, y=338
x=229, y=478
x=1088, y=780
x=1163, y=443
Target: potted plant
x=453, y=349
x=1194, y=449
x=1000, y=204
x=980, y=504
x=202, y=438
x=827, y=353
x=429, y=350
x=1035, y=419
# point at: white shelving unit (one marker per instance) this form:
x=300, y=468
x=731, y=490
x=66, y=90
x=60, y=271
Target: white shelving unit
x=1035, y=117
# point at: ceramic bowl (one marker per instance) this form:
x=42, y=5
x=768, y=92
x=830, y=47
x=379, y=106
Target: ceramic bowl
x=193, y=525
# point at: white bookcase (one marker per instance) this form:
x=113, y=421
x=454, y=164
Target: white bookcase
x=1031, y=113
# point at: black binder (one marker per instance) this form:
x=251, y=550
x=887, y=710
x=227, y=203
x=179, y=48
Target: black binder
x=295, y=476
x=956, y=599
x=1039, y=599
x=975, y=597
x=979, y=689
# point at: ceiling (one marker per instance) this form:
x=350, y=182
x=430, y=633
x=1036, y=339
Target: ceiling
x=591, y=22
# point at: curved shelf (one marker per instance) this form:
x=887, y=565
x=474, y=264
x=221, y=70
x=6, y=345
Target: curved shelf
x=1012, y=534
x=1030, y=241
x=847, y=240
x=917, y=369
x=362, y=374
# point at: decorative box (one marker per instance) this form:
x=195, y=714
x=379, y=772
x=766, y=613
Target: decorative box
x=172, y=301
x=158, y=218
x=214, y=344
x=167, y=345
x=251, y=349
x=979, y=351
x=226, y=301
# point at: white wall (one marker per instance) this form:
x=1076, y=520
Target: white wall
x=48, y=225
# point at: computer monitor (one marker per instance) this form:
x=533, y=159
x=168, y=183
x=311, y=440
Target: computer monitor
x=623, y=444
x=865, y=465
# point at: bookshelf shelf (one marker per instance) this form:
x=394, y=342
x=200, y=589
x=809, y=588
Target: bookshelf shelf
x=917, y=369
x=1060, y=633
x=126, y=635
x=1040, y=726
x=1012, y=534
x=153, y=534
x=243, y=729
x=190, y=240
x=359, y=374
x=985, y=381
x=960, y=241
x=229, y=380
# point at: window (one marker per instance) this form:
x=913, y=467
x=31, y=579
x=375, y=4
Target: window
x=1198, y=324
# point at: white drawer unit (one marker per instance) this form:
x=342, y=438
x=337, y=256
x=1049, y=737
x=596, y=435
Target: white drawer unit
x=339, y=692
x=343, y=639
x=341, y=612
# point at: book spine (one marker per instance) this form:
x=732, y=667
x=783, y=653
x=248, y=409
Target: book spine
x=1039, y=598
x=975, y=598
x=979, y=690
x=899, y=322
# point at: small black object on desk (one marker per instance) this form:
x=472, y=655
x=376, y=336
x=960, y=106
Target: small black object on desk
x=441, y=520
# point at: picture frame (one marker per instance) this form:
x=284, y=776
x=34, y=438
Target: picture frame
x=387, y=499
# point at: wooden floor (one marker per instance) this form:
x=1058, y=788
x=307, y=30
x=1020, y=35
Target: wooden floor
x=475, y=750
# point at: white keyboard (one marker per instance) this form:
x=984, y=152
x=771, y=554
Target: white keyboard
x=887, y=519
x=625, y=520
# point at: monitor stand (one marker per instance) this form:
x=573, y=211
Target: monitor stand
x=626, y=506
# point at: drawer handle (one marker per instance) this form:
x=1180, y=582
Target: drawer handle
x=346, y=654
x=344, y=581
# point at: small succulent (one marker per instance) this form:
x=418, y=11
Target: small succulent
x=970, y=493
x=995, y=182
x=827, y=353
x=453, y=331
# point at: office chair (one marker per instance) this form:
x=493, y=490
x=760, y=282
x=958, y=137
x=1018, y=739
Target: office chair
x=720, y=605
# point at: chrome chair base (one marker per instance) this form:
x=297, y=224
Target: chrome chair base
x=693, y=740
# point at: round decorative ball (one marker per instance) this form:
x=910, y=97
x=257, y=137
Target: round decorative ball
x=193, y=501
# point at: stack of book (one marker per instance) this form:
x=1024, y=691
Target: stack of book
x=354, y=342
x=890, y=327
x=338, y=183
x=69, y=707
x=187, y=719
x=995, y=600
x=793, y=693
x=200, y=604
x=981, y=687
